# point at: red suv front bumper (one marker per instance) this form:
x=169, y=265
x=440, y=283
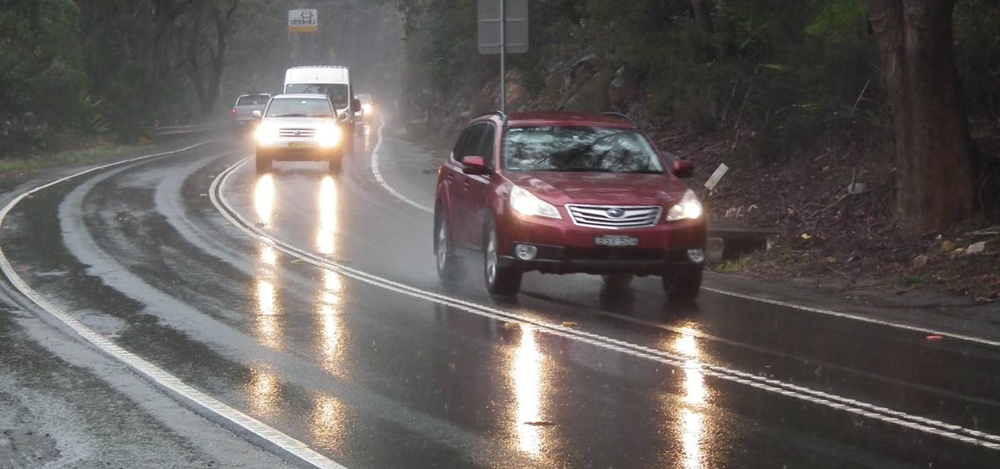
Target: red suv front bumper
x=563, y=247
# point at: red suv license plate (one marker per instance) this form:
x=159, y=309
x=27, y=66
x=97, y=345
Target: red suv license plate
x=616, y=240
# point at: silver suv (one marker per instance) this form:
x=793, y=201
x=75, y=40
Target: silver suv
x=298, y=127
x=242, y=111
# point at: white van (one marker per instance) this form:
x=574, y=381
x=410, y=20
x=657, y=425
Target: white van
x=333, y=81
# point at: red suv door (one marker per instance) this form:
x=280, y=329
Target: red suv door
x=477, y=187
x=456, y=184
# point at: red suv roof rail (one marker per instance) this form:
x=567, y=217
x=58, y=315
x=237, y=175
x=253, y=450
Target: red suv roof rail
x=497, y=113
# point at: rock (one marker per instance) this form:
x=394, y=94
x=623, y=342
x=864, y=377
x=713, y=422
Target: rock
x=976, y=248
x=920, y=261
x=855, y=188
x=714, y=247
x=947, y=245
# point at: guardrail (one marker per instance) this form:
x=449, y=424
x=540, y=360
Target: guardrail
x=150, y=134
x=188, y=129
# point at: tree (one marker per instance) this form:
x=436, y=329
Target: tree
x=933, y=154
x=702, y=10
x=205, y=56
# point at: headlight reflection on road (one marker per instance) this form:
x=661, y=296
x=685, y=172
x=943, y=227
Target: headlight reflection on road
x=526, y=377
x=327, y=422
x=328, y=217
x=691, y=421
x=268, y=312
x=262, y=391
x=330, y=299
x=263, y=198
x=331, y=328
x=368, y=139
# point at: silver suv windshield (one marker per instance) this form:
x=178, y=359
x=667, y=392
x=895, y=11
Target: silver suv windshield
x=579, y=149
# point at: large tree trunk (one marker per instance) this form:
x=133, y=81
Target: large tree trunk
x=702, y=10
x=933, y=150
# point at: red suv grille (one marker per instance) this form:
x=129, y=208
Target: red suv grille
x=614, y=217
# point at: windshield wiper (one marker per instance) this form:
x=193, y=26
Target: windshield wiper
x=291, y=115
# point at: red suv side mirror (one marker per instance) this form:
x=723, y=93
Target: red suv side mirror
x=474, y=165
x=683, y=169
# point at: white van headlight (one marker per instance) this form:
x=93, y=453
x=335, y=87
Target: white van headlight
x=328, y=135
x=529, y=204
x=689, y=208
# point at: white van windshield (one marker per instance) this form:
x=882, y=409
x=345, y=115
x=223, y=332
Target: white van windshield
x=339, y=93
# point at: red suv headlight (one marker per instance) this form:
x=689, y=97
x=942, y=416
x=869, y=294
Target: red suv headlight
x=529, y=204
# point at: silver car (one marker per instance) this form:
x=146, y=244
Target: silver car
x=298, y=127
x=242, y=111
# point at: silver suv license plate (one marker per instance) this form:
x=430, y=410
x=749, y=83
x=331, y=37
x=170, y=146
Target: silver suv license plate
x=616, y=240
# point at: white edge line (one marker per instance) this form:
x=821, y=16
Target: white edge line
x=242, y=425
x=856, y=317
x=978, y=340
x=381, y=180
x=883, y=414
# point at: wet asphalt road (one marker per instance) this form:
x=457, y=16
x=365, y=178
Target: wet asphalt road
x=363, y=355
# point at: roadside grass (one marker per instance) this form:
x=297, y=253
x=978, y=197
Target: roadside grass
x=736, y=265
x=69, y=158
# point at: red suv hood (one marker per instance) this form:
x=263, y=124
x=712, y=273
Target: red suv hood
x=561, y=188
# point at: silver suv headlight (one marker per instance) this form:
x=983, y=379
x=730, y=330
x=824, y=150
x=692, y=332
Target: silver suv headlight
x=266, y=133
x=328, y=135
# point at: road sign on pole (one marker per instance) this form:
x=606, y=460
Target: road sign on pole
x=503, y=29
x=513, y=15
x=303, y=21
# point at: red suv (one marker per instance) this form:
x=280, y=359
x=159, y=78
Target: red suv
x=567, y=193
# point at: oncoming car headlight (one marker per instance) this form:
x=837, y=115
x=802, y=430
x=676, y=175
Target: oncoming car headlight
x=266, y=133
x=367, y=108
x=328, y=135
x=529, y=204
x=689, y=208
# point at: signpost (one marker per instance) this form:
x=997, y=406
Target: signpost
x=503, y=29
x=303, y=21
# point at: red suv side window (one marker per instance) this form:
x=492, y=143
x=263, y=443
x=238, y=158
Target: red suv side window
x=469, y=142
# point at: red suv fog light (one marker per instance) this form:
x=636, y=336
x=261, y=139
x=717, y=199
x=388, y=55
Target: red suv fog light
x=696, y=255
x=526, y=252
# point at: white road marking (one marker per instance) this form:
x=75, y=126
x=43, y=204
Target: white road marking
x=856, y=317
x=853, y=406
x=381, y=180
x=239, y=423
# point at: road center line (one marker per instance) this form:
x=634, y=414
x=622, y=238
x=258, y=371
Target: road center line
x=883, y=414
x=242, y=425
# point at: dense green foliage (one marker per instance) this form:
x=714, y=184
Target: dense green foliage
x=40, y=67
x=112, y=66
x=782, y=71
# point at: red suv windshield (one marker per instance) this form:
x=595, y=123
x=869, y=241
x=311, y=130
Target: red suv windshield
x=579, y=149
